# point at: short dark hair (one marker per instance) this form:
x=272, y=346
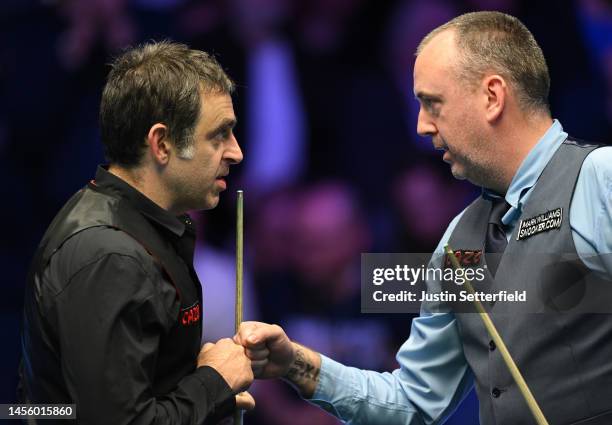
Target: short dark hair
x=156, y=82
x=494, y=41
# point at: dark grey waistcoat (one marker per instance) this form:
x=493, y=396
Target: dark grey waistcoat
x=565, y=357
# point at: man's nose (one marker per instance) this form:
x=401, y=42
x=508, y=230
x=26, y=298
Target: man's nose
x=234, y=153
x=425, y=126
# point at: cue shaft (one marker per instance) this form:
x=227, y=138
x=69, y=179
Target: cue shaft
x=501, y=345
x=239, y=274
x=239, y=256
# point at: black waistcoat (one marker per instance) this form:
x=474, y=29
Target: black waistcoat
x=178, y=348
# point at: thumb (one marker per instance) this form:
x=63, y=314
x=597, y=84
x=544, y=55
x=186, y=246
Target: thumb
x=207, y=346
x=245, y=401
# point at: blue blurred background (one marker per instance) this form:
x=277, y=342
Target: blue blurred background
x=327, y=119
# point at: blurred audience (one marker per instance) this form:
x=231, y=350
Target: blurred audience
x=316, y=296
x=423, y=219
x=90, y=22
x=408, y=24
x=216, y=269
x=275, y=120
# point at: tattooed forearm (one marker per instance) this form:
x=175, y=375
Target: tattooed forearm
x=301, y=369
x=304, y=370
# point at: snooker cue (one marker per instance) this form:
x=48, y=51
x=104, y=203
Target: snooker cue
x=499, y=342
x=239, y=275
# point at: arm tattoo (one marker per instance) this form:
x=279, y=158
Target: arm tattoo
x=302, y=371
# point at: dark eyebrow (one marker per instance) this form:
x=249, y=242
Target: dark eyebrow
x=428, y=97
x=226, y=124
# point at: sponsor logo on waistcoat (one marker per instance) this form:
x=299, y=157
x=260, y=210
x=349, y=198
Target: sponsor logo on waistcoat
x=540, y=223
x=466, y=257
x=190, y=315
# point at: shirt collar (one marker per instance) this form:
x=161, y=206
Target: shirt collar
x=110, y=182
x=530, y=170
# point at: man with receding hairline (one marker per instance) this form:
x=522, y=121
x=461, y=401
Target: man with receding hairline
x=113, y=308
x=482, y=83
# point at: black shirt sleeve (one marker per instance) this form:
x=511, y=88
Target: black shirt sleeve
x=110, y=318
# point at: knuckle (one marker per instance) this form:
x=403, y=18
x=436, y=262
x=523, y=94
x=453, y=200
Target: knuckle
x=246, y=326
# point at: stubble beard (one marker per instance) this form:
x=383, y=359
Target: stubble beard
x=481, y=169
x=480, y=162
x=191, y=196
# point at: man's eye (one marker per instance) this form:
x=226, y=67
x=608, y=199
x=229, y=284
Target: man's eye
x=223, y=135
x=432, y=106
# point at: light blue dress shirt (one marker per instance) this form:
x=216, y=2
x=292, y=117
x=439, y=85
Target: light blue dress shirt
x=434, y=376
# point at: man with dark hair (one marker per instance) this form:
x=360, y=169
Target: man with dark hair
x=112, y=317
x=482, y=83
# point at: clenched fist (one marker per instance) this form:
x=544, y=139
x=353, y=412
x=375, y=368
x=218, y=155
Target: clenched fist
x=274, y=355
x=230, y=360
x=270, y=350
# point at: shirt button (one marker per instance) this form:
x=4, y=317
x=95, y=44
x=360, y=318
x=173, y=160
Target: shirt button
x=495, y=392
x=492, y=345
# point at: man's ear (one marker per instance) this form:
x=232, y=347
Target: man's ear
x=496, y=90
x=159, y=144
